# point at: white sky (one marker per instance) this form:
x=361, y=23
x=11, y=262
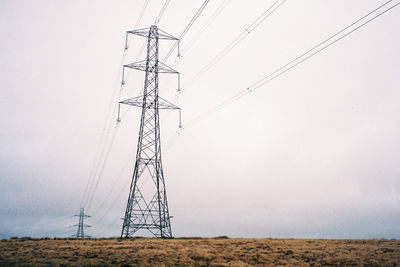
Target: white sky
x=314, y=153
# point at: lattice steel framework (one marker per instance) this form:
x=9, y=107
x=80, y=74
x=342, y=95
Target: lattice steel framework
x=80, y=233
x=149, y=210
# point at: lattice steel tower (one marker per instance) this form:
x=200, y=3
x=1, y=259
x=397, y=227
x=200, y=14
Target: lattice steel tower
x=147, y=208
x=80, y=233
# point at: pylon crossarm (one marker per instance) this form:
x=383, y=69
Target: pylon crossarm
x=141, y=65
x=138, y=102
x=145, y=33
x=166, y=36
x=165, y=104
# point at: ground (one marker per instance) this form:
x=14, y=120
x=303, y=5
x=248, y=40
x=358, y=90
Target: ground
x=198, y=252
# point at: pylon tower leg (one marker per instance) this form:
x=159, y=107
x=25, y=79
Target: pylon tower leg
x=146, y=210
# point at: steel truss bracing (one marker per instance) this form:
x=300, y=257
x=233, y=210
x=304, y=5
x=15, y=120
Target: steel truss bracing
x=148, y=209
x=80, y=233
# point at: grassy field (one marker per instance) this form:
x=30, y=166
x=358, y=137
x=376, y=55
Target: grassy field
x=198, y=252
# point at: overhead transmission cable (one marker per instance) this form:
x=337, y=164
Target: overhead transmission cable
x=110, y=208
x=141, y=14
x=197, y=35
x=296, y=61
x=261, y=18
x=257, y=22
x=109, y=226
x=100, y=174
x=199, y=11
x=164, y=7
x=210, y=20
x=115, y=181
x=99, y=156
x=186, y=30
x=102, y=142
x=98, y=171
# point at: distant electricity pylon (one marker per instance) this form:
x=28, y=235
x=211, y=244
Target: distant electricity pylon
x=147, y=207
x=80, y=233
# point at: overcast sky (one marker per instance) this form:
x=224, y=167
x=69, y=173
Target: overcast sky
x=314, y=153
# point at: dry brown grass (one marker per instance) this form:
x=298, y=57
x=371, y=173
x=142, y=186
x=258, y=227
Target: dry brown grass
x=199, y=252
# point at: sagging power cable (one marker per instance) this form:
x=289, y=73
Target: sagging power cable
x=296, y=61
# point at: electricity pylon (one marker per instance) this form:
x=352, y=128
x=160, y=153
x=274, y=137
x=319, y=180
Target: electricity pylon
x=147, y=208
x=80, y=233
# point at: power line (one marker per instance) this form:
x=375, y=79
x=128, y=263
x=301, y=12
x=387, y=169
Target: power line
x=141, y=13
x=261, y=18
x=94, y=185
x=162, y=12
x=112, y=204
x=109, y=226
x=119, y=176
x=143, y=45
x=139, y=19
x=103, y=138
x=211, y=19
x=205, y=26
x=328, y=39
x=101, y=170
x=101, y=146
x=186, y=29
x=100, y=163
x=99, y=157
x=300, y=59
